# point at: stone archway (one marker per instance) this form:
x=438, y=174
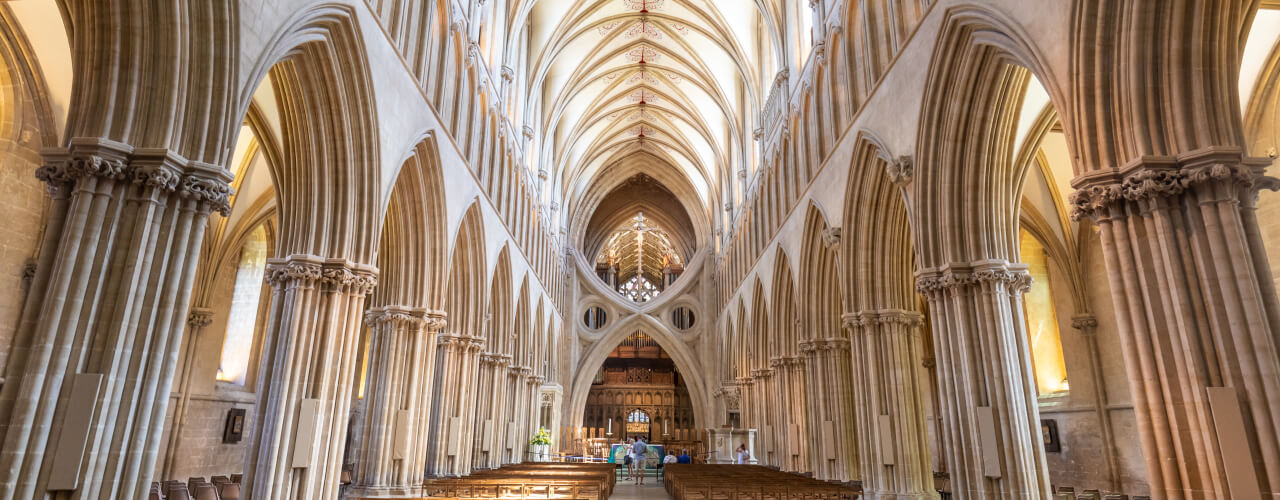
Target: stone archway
x=683, y=357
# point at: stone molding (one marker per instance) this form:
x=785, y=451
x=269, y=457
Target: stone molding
x=158, y=169
x=956, y=277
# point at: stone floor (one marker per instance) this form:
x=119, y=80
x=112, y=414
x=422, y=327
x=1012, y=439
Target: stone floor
x=652, y=490
x=629, y=490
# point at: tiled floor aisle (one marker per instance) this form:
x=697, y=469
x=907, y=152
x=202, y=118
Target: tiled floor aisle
x=627, y=490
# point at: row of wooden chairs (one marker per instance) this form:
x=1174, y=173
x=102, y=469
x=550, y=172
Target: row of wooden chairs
x=196, y=488
x=1069, y=493
x=748, y=482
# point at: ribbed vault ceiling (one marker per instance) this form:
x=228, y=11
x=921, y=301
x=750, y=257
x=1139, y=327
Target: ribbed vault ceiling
x=674, y=82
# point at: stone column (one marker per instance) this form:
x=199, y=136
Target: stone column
x=197, y=320
x=491, y=376
x=397, y=419
x=1087, y=325
x=799, y=404
x=834, y=454
x=306, y=377
x=515, y=410
x=92, y=363
x=787, y=400
x=746, y=402
x=1196, y=311
x=985, y=382
x=763, y=407
x=457, y=364
x=888, y=396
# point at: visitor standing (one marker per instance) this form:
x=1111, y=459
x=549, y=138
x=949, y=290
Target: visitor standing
x=641, y=450
x=630, y=459
x=743, y=456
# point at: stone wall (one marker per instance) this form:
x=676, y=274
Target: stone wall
x=24, y=203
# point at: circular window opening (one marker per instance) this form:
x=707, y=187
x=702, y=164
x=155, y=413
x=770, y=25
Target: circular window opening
x=595, y=318
x=682, y=318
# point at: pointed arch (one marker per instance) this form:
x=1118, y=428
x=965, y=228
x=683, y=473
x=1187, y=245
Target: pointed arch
x=498, y=316
x=465, y=301
x=412, y=249
x=785, y=312
x=876, y=240
x=319, y=70
x=820, y=272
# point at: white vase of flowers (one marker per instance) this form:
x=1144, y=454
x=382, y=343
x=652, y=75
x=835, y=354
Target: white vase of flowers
x=540, y=445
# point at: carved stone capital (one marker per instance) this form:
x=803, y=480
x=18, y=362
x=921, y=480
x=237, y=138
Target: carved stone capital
x=1086, y=323
x=396, y=316
x=28, y=274
x=157, y=170
x=436, y=319
x=900, y=317
x=199, y=317
x=901, y=170
x=953, y=278
x=1212, y=174
x=282, y=273
x=342, y=276
x=831, y=237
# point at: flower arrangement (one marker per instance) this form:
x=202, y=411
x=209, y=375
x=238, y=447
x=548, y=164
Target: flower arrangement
x=542, y=437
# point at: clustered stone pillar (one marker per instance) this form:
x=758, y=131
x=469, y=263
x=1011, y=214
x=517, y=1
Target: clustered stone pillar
x=985, y=382
x=748, y=400
x=519, y=411
x=762, y=395
x=93, y=360
x=457, y=365
x=1197, y=315
x=490, y=410
x=307, y=376
x=834, y=454
x=1087, y=325
x=397, y=420
x=887, y=393
x=788, y=399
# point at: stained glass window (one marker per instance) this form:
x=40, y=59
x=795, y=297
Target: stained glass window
x=637, y=416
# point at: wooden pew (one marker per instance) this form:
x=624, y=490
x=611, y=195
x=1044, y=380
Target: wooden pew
x=553, y=481
x=747, y=482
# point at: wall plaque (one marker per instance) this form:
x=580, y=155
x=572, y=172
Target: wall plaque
x=233, y=430
x=1049, y=435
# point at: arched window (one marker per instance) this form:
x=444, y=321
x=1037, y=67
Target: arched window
x=242, y=322
x=1045, y=340
x=637, y=417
